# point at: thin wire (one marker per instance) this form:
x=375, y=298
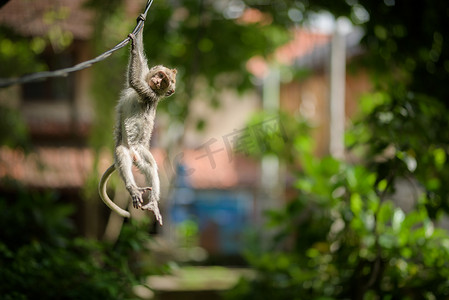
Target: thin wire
x=4, y=82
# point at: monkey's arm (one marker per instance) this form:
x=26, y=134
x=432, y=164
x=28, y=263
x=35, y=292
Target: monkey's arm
x=138, y=46
x=138, y=68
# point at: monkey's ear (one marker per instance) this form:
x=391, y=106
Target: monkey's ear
x=174, y=71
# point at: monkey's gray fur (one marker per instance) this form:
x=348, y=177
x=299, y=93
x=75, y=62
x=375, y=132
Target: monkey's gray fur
x=136, y=111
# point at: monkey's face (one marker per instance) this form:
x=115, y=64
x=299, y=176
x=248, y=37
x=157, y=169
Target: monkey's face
x=162, y=80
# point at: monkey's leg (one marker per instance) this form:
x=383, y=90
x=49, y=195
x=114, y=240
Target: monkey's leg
x=124, y=163
x=147, y=165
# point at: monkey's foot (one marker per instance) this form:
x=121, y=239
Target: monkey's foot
x=152, y=205
x=137, y=195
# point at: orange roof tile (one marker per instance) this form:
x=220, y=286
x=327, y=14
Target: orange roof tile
x=302, y=43
x=67, y=167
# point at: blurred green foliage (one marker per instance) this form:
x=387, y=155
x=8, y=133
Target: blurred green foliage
x=41, y=257
x=187, y=234
x=406, y=138
x=15, y=131
x=18, y=54
x=342, y=236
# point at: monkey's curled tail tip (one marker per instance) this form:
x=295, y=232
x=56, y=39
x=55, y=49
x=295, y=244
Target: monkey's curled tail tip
x=104, y=196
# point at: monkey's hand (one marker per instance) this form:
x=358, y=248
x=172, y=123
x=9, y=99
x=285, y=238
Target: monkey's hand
x=137, y=195
x=132, y=37
x=152, y=205
x=141, y=17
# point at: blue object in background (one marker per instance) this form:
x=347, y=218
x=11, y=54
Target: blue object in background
x=222, y=215
x=226, y=212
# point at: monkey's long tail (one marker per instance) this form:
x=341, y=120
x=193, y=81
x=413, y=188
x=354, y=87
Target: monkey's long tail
x=104, y=196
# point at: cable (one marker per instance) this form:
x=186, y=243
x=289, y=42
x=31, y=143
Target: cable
x=4, y=82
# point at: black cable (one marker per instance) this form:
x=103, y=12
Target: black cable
x=4, y=82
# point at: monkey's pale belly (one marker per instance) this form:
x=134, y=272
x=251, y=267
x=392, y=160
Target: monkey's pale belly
x=138, y=135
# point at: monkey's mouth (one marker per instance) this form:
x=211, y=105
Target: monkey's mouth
x=170, y=92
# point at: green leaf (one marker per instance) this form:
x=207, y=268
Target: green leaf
x=356, y=204
x=304, y=184
x=385, y=213
x=398, y=218
x=382, y=185
x=330, y=165
x=439, y=157
x=387, y=241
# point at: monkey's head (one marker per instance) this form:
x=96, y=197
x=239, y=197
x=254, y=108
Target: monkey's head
x=162, y=80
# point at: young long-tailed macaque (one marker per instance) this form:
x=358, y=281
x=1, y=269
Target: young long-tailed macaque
x=136, y=111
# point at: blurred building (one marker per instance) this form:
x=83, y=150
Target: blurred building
x=57, y=112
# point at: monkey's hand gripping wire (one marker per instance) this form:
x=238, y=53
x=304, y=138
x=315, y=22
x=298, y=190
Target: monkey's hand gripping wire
x=5, y=82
